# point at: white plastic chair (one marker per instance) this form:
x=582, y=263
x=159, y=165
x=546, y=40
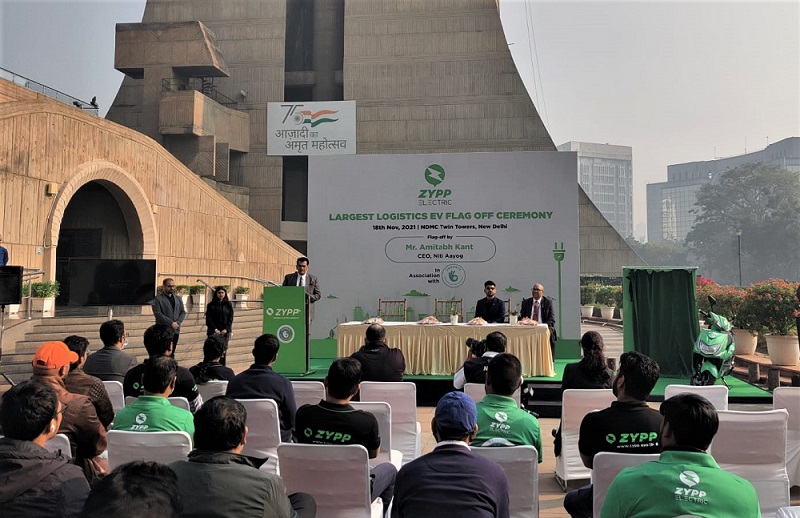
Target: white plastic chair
x=264, y=431
x=717, y=395
x=212, y=388
x=402, y=398
x=59, y=443
x=478, y=390
x=162, y=447
x=752, y=445
x=115, y=394
x=336, y=476
x=383, y=413
x=607, y=466
x=180, y=402
x=308, y=392
x=575, y=404
x=789, y=398
x=788, y=512
x=521, y=464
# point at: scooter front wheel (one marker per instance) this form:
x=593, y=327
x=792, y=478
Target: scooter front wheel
x=702, y=379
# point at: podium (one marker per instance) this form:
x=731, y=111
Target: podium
x=286, y=316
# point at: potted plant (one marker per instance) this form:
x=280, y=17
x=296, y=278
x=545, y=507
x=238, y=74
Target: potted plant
x=729, y=304
x=453, y=310
x=588, y=292
x=769, y=308
x=241, y=295
x=198, y=293
x=182, y=290
x=605, y=298
x=43, y=297
x=12, y=310
x=513, y=315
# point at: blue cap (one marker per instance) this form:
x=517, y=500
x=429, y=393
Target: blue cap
x=456, y=411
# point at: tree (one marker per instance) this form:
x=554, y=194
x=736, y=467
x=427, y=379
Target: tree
x=664, y=253
x=763, y=202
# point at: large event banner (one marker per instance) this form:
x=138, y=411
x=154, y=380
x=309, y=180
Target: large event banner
x=426, y=227
x=285, y=317
x=311, y=128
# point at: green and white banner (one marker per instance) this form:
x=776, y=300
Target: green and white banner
x=284, y=317
x=423, y=227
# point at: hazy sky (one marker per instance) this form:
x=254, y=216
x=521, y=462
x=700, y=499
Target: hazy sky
x=677, y=81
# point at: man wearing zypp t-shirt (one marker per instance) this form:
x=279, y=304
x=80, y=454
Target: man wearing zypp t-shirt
x=685, y=480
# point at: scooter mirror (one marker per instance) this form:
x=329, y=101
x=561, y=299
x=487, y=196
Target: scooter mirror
x=712, y=301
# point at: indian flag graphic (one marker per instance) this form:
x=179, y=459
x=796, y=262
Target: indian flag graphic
x=314, y=118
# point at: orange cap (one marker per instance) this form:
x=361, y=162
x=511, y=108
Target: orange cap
x=54, y=355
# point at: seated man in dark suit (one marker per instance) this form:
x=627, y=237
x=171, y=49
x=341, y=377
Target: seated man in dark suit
x=540, y=309
x=452, y=480
x=490, y=308
x=378, y=361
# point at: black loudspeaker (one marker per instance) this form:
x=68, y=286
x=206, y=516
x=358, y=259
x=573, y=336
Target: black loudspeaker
x=10, y=285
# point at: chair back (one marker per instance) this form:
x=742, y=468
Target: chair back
x=575, y=404
x=478, y=390
x=789, y=398
x=383, y=414
x=336, y=476
x=717, y=395
x=402, y=398
x=59, y=444
x=212, y=388
x=180, y=402
x=443, y=308
x=521, y=464
x=308, y=392
x=607, y=466
x=264, y=433
x=115, y=394
x=162, y=447
x=788, y=512
x=392, y=310
x=752, y=445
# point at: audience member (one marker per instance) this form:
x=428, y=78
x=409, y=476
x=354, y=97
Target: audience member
x=591, y=372
x=452, y=480
x=86, y=433
x=36, y=482
x=501, y=422
x=334, y=421
x=685, y=481
x=474, y=369
x=78, y=382
x=261, y=382
x=219, y=318
x=230, y=483
x=137, y=489
x=490, y=308
x=211, y=368
x=158, y=342
x=152, y=411
x=628, y=426
x=378, y=361
x=110, y=363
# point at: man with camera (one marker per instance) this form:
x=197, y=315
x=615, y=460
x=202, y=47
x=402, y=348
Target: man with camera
x=480, y=352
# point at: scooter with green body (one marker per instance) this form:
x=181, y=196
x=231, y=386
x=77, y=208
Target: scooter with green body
x=712, y=356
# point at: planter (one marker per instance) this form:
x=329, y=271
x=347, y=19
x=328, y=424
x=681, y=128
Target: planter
x=43, y=305
x=512, y=319
x=241, y=299
x=199, y=301
x=783, y=349
x=587, y=311
x=454, y=319
x=12, y=310
x=607, y=313
x=745, y=342
x=184, y=299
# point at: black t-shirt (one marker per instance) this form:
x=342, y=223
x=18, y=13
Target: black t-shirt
x=475, y=369
x=185, y=385
x=621, y=428
x=380, y=363
x=203, y=372
x=327, y=423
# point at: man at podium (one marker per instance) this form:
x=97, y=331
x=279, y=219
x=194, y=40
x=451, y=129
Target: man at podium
x=303, y=278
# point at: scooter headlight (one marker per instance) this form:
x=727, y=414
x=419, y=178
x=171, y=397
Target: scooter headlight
x=709, y=349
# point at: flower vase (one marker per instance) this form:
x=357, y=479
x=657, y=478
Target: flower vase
x=454, y=319
x=587, y=311
x=512, y=319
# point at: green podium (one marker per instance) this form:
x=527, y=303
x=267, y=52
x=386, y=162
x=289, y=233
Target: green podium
x=286, y=316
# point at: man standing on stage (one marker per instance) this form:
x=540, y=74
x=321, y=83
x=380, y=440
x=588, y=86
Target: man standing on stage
x=303, y=278
x=540, y=309
x=168, y=310
x=490, y=308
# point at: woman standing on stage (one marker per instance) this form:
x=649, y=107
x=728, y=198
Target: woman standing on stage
x=219, y=317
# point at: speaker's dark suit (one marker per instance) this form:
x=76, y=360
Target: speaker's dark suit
x=547, y=314
x=312, y=290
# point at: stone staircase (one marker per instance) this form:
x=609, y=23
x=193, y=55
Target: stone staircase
x=17, y=356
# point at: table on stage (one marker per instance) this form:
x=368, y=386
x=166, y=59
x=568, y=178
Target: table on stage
x=441, y=349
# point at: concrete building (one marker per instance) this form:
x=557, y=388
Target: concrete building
x=605, y=173
x=671, y=204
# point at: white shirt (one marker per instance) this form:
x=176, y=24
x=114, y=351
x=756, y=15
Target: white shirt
x=301, y=280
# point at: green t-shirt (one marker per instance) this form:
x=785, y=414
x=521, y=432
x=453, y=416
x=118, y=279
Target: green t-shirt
x=680, y=483
x=501, y=417
x=154, y=414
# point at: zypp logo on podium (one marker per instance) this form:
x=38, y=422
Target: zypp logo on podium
x=282, y=312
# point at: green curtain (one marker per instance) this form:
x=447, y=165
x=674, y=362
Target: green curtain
x=664, y=316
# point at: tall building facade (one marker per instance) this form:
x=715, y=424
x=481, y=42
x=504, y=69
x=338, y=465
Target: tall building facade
x=605, y=172
x=671, y=210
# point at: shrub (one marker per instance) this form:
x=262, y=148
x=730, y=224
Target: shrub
x=770, y=307
x=45, y=289
x=606, y=296
x=241, y=290
x=197, y=289
x=588, y=293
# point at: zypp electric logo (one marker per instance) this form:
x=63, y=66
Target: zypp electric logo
x=285, y=334
x=282, y=312
x=688, y=494
x=313, y=119
x=434, y=175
